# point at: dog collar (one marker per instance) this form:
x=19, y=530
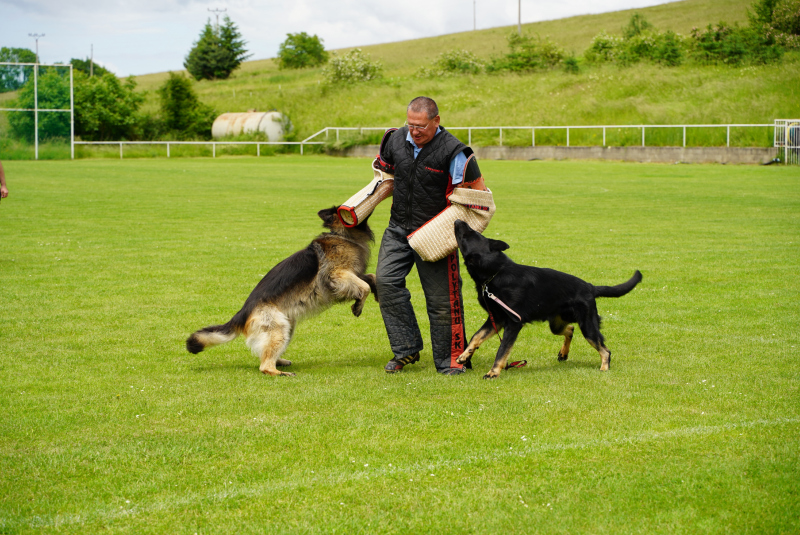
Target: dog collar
x=496, y=299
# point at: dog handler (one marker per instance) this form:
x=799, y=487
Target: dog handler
x=427, y=163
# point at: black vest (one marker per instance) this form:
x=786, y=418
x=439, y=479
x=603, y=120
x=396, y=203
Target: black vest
x=421, y=185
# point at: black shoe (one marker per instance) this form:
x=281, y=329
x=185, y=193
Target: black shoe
x=396, y=364
x=452, y=371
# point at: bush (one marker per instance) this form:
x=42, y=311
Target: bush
x=301, y=50
x=354, y=66
x=733, y=45
x=778, y=20
x=105, y=108
x=604, y=48
x=527, y=54
x=217, y=53
x=183, y=115
x=453, y=62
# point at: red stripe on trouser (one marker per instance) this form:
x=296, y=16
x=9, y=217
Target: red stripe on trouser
x=457, y=333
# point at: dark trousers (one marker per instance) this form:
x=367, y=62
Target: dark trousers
x=441, y=283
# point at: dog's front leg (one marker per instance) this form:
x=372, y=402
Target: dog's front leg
x=348, y=285
x=369, y=278
x=510, y=333
x=483, y=334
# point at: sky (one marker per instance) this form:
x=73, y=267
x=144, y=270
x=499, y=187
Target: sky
x=146, y=36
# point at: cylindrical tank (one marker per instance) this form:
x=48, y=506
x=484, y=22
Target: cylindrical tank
x=271, y=123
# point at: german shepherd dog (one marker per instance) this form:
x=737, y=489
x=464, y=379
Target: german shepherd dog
x=515, y=294
x=330, y=270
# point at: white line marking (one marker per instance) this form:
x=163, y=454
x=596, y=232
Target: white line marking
x=272, y=487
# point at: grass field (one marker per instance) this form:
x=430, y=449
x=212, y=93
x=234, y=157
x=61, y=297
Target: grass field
x=109, y=425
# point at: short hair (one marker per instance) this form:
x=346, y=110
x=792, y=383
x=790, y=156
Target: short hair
x=424, y=104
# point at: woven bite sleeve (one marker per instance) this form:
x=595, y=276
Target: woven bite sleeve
x=436, y=239
x=358, y=207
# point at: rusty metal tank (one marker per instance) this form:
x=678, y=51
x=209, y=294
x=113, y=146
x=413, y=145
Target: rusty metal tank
x=271, y=123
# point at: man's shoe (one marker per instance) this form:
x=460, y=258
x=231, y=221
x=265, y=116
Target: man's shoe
x=452, y=371
x=396, y=364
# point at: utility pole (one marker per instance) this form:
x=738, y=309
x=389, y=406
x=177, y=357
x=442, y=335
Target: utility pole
x=36, y=36
x=519, y=17
x=217, y=12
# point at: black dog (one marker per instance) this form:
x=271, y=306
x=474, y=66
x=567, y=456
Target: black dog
x=515, y=294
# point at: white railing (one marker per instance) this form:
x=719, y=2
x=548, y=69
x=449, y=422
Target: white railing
x=213, y=144
x=567, y=129
x=336, y=130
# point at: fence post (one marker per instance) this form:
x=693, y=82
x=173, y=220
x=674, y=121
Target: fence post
x=120, y=151
x=501, y=136
x=684, y=137
x=258, y=147
x=642, y=135
x=729, y=136
x=301, y=149
x=213, y=150
x=568, y=136
x=533, y=137
x=167, y=149
x=469, y=136
x=604, y=136
x=337, y=135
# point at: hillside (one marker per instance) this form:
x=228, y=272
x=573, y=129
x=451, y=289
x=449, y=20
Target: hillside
x=607, y=94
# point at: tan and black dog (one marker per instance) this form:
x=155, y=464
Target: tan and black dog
x=514, y=294
x=330, y=270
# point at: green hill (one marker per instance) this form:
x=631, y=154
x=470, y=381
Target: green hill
x=606, y=94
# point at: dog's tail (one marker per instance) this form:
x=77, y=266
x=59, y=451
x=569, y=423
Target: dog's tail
x=620, y=289
x=215, y=335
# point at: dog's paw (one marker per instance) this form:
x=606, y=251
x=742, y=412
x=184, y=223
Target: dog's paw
x=463, y=357
x=491, y=375
x=287, y=374
x=357, y=307
x=561, y=357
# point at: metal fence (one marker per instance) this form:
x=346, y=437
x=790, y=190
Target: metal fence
x=566, y=129
x=787, y=140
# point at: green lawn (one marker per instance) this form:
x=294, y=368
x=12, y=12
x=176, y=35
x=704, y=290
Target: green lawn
x=111, y=426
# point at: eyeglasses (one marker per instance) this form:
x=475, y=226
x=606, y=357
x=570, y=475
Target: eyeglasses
x=412, y=127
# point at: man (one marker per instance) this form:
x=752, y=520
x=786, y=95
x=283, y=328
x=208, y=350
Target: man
x=427, y=162
x=3, y=187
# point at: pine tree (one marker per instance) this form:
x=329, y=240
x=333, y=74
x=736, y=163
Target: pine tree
x=217, y=53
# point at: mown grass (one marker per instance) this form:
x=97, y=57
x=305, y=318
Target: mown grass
x=109, y=425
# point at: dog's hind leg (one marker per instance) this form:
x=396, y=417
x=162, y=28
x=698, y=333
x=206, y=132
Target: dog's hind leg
x=559, y=327
x=509, y=337
x=483, y=334
x=268, y=335
x=590, y=328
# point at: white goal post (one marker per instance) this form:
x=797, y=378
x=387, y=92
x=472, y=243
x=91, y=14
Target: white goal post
x=36, y=110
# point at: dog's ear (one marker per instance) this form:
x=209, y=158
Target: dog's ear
x=497, y=245
x=327, y=213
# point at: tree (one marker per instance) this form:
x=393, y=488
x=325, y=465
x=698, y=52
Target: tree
x=182, y=112
x=217, y=53
x=53, y=93
x=85, y=66
x=301, y=50
x=636, y=26
x=105, y=108
x=12, y=78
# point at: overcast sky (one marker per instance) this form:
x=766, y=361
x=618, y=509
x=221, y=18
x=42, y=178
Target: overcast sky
x=145, y=36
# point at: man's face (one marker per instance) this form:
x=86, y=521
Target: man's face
x=421, y=136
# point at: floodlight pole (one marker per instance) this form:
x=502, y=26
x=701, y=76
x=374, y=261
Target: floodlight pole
x=36, y=36
x=217, y=12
